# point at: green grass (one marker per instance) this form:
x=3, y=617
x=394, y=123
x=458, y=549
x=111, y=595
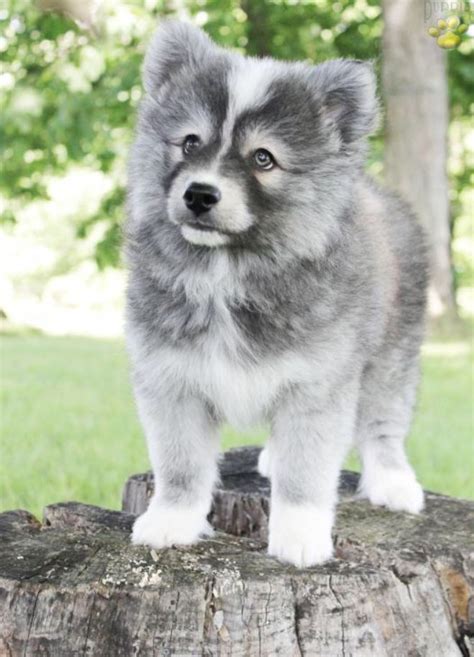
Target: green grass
x=69, y=429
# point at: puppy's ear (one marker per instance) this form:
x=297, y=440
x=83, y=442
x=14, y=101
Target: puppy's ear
x=348, y=92
x=173, y=46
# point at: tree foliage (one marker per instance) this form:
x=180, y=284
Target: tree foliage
x=69, y=95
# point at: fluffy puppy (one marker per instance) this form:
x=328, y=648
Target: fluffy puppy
x=270, y=280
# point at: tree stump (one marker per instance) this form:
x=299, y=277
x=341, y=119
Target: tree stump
x=400, y=586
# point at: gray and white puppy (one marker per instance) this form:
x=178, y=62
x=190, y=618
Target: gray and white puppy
x=270, y=280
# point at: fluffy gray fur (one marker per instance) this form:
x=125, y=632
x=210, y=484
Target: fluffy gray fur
x=298, y=299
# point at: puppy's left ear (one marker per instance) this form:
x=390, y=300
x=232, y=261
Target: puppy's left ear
x=348, y=92
x=174, y=46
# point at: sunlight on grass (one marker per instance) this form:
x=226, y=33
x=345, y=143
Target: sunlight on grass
x=69, y=429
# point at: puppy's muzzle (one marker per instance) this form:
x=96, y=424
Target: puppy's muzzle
x=200, y=198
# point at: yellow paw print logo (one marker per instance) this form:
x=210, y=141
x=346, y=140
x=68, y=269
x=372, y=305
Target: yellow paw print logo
x=448, y=33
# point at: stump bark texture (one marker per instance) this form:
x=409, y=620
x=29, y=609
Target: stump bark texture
x=400, y=586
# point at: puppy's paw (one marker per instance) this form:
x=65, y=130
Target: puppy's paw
x=300, y=535
x=397, y=489
x=264, y=462
x=162, y=525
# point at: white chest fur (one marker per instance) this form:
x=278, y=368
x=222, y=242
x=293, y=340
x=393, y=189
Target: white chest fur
x=215, y=367
x=216, y=370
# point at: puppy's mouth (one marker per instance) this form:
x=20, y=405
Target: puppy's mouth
x=201, y=234
x=200, y=225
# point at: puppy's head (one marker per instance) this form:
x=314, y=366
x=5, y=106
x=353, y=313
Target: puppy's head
x=247, y=153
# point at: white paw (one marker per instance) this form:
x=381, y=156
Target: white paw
x=264, y=462
x=396, y=489
x=300, y=535
x=163, y=525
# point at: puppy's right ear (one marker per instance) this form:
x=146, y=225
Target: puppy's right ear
x=348, y=93
x=174, y=45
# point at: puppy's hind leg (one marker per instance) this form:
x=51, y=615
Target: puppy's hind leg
x=264, y=462
x=385, y=410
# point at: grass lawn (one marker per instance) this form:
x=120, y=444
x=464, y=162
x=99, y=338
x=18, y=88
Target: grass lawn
x=69, y=429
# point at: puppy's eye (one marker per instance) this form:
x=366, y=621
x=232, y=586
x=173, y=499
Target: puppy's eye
x=190, y=143
x=264, y=159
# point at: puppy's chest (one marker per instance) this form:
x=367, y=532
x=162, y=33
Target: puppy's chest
x=218, y=356
x=237, y=325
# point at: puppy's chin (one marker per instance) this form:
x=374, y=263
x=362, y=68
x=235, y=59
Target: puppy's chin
x=204, y=237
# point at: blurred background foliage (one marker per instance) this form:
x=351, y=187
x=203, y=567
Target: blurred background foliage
x=69, y=93
x=69, y=90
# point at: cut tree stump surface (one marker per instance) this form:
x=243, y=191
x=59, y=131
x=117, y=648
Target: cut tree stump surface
x=241, y=499
x=400, y=585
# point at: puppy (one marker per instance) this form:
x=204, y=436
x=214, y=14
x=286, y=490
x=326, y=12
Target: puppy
x=270, y=280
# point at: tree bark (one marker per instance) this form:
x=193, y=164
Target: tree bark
x=416, y=105
x=399, y=585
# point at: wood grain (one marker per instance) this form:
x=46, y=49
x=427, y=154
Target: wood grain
x=399, y=586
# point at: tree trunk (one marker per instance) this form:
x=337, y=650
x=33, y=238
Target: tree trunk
x=399, y=585
x=416, y=105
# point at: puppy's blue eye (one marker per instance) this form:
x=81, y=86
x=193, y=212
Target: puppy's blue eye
x=190, y=143
x=264, y=159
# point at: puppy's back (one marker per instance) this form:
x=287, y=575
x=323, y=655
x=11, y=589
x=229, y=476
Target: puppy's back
x=399, y=251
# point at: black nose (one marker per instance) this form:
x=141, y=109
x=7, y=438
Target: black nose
x=201, y=198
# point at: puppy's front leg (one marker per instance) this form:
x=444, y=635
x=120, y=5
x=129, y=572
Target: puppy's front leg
x=182, y=442
x=311, y=435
